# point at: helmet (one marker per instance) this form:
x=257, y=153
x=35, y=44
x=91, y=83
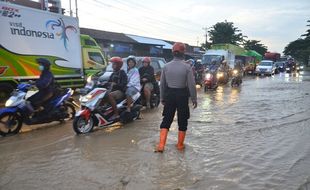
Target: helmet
x=191, y=62
x=178, y=47
x=146, y=60
x=117, y=60
x=133, y=58
x=44, y=62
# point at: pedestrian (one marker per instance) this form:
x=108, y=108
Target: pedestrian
x=176, y=86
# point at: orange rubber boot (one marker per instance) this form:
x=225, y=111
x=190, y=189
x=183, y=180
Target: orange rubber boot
x=181, y=138
x=162, y=140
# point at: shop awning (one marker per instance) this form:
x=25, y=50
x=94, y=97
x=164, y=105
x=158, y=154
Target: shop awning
x=150, y=41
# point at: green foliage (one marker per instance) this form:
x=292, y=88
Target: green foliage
x=300, y=48
x=225, y=32
x=255, y=45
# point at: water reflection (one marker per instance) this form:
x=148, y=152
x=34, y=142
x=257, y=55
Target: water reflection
x=234, y=95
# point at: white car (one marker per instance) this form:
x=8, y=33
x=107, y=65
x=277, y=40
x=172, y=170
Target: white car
x=265, y=67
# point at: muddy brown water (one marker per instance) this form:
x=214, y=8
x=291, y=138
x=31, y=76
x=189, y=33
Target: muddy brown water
x=253, y=137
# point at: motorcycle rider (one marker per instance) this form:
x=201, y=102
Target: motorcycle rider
x=118, y=83
x=45, y=84
x=176, y=85
x=239, y=67
x=133, y=85
x=147, y=79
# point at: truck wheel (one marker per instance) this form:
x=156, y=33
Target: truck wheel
x=10, y=123
x=5, y=91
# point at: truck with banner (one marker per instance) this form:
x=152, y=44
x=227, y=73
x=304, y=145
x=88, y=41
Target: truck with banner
x=27, y=34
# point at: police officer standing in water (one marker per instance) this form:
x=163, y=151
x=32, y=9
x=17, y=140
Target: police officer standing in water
x=177, y=84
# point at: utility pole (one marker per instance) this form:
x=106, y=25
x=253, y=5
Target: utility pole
x=76, y=9
x=206, y=33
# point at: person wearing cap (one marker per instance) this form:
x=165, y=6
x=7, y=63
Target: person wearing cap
x=177, y=84
x=147, y=79
x=118, y=83
x=133, y=85
x=45, y=84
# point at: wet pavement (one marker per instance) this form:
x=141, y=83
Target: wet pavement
x=253, y=137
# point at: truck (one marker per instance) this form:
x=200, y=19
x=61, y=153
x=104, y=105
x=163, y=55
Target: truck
x=218, y=52
x=273, y=56
x=27, y=34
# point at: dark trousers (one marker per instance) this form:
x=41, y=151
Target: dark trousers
x=176, y=100
x=39, y=98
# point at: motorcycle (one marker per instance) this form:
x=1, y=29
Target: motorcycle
x=93, y=114
x=236, y=78
x=210, y=82
x=18, y=110
x=199, y=77
x=222, y=77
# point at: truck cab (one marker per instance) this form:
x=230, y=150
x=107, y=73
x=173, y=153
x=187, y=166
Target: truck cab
x=92, y=57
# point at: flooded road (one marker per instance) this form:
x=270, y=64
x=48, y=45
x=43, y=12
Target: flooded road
x=253, y=137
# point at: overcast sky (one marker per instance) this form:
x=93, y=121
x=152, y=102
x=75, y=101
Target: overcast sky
x=274, y=22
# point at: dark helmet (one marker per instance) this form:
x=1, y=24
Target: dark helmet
x=44, y=62
x=133, y=58
x=178, y=47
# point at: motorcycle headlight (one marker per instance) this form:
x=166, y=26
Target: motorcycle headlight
x=88, y=79
x=208, y=76
x=219, y=75
x=8, y=103
x=298, y=67
x=301, y=67
x=235, y=72
x=287, y=69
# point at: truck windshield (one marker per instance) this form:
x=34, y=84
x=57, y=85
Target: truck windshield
x=207, y=59
x=97, y=57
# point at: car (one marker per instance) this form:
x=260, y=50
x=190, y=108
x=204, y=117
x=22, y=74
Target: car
x=265, y=67
x=157, y=63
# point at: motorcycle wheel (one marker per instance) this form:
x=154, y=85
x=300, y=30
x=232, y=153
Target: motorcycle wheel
x=10, y=124
x=232, y=82
x=81, y=126
x=70, y=109
x=206, y=88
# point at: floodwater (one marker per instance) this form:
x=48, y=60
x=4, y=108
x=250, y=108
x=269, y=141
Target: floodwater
x=253, y=137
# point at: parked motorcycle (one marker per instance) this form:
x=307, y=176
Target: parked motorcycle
x=236, y=78
x=93, y=113
x=18, y=111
